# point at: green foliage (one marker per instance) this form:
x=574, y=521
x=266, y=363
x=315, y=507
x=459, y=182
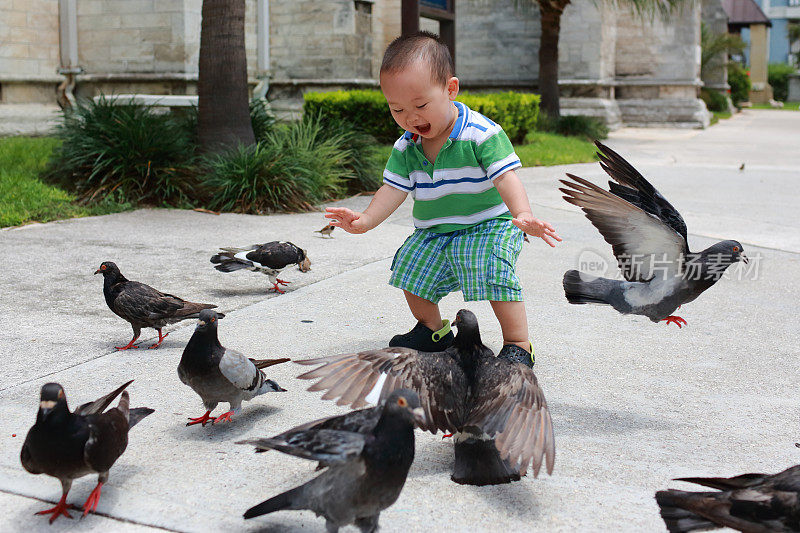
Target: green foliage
x=367, y=110
x=145, y=157
x=295, y=166
x=515, y=112
x=362, y=109
x=739, y=80
x=713, y=44
x=574, y=125
x=541, y=149
x=715, y=101
x=261, y=117
x=778, y=78
x=24, y=198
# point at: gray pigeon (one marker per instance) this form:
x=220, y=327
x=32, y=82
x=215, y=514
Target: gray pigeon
x=268, y=258
x=69, y=445
x=218, y=374
x=367, y=454
x=494, y=408
x=754, y=503
x=649, y=240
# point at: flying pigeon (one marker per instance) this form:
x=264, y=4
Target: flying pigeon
x=269, y=258
x=327, y=230
x=142, y=305
x=218, y=374
x=367, y=454
x=649, y=240
x=495, y=407
x=750, y=502
x=69, y=445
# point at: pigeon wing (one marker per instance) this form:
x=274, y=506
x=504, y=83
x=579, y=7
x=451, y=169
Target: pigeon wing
x=329, y=446
x=632, y=186
x=371, y=376
x=108, y=438
x=142, y=303
x=276, y=255
x=641, y=241
x=510, y=406
x=240, y=370
x=100, y=404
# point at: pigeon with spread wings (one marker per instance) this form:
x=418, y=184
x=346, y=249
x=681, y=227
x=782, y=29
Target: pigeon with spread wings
x=367, y=454
x=649, y=240
x=268, y=258
x=748, y=502
x=495, y=408
x=142, y=305
x=69, y=445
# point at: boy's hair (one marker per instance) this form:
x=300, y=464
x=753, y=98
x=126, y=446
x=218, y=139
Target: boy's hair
x=422, y=45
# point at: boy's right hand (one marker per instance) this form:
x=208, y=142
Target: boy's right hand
x=347, y=219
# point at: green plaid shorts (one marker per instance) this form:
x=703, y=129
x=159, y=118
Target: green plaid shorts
x=478, y=260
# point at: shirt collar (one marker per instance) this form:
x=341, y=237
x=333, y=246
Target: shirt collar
x=461, y=119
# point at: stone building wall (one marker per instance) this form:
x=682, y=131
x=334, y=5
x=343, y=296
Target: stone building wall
x=29, y=53
x=715, y=75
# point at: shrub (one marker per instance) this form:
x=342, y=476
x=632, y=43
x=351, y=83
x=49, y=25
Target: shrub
x=739, y=80
x=590, y=128
x=367, y=110
x=293, y=167
x=261, y=117
x=127, y=150
x=778, y=78
x=714, y=100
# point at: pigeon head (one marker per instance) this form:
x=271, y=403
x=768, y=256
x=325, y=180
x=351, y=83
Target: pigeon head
x=304, y=263
x=468, y=333
x=405, y=404
x=710, y=264
x=207, y=320
x=108, y=268
x=51, y=400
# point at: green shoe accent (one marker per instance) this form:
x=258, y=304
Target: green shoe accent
x=437, y=335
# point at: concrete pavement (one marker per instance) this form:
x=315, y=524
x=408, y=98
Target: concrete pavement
x=634, y=404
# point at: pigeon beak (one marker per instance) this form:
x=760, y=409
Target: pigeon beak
x=45, y=407
x=97, y=271
x=201, y=323
x=744, y=258
x=419, y=416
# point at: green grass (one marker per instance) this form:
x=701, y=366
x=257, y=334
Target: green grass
x=543, y=149
x=716, y=116
x=24, y=198
x=787, y=106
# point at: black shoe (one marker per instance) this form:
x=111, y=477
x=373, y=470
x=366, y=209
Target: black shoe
x=515, y=354
x=424, y=339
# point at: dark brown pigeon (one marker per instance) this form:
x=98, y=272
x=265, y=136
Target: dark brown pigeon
x=268, y=258
x=367, y=454
x=649, y=240
x=754, y=503
x=142, y=305
x=69, y=445
x=495, y=407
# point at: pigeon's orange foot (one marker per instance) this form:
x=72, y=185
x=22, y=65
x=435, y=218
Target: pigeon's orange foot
x=92, y=500
x=160, y=339
x=446, y=436
x=201, y=420
x=224, y=417
x=127, y=346
x=60, y=509
x=672, y=319
x=277, y=289
x=282, y=282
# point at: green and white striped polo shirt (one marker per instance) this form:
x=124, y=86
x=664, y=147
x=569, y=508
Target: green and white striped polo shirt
x=458, y=190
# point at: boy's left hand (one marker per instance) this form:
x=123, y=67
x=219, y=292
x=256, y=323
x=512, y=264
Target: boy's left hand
x=538, y=228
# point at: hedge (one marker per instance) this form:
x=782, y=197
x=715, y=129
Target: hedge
x=367, y=110
x=778, y=78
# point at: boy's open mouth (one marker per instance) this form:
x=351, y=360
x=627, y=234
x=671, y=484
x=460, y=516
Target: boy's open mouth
x=423, y=129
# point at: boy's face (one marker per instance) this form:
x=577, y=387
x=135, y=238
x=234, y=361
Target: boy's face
x=417, y=103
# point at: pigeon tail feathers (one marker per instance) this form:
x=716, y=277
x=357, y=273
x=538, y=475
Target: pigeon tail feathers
x=291, y=499
x=477, y=462
x=580, y=290
x=192, y=310
x=264, y=363
x=136, y=415
x=677, y=519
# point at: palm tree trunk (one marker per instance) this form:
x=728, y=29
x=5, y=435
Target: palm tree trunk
x=223, y=101
x=550, y=12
